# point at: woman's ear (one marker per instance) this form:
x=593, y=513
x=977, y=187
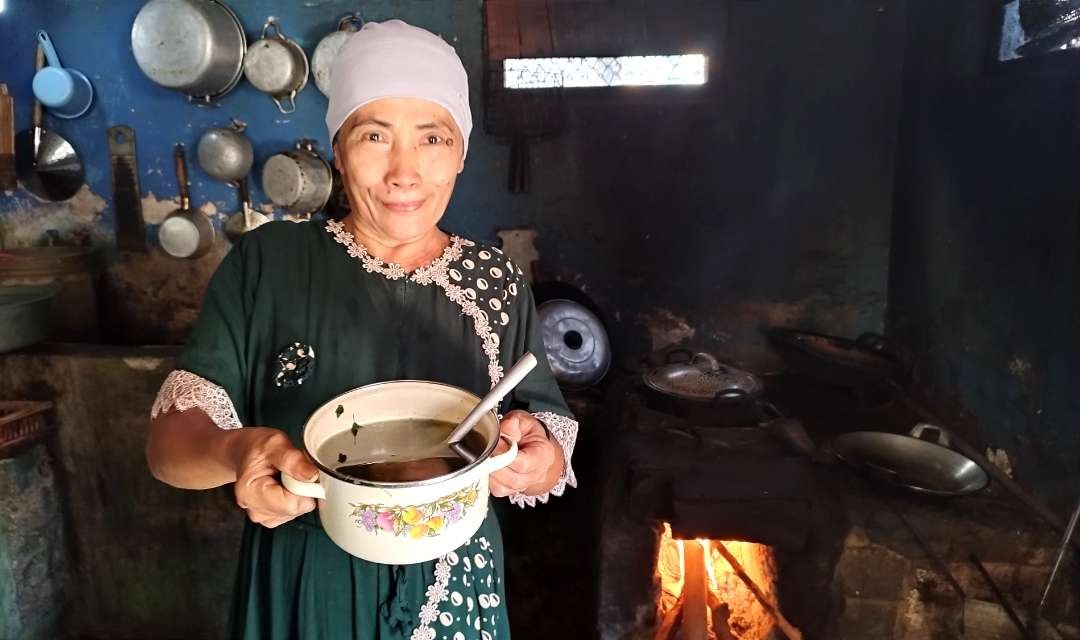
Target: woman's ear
x=338, y=164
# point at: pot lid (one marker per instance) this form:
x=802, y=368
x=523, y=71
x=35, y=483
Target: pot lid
x=577, y=345
x=702, y=378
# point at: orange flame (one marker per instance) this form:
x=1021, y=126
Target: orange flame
x=730, y=609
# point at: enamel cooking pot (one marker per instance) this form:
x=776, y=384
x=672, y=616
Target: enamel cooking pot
x=400, y=522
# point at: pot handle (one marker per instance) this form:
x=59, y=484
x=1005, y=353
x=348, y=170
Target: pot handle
x=291, y=99
x=355, y=20
x=933, y=433
x=494, y=463
x=272, y=23
x=306, y=489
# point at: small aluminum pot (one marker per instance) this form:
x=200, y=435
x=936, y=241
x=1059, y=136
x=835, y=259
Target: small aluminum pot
x=225, y=153
x=322, y=61
x=185, y=233
x=194, y=46
x=300, y=180
x=277, y=66
x=398, y=522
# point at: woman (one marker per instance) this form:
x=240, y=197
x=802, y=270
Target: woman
x=297, y=314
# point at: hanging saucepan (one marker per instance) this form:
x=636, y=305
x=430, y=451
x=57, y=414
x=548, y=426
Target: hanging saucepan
x=185, y=233
x=194, y=46
x=277, y=66
x=322, y=61
x=246, y=218
x=225, y=153
x=837, y=361
x=697, y=386
x=300, y=180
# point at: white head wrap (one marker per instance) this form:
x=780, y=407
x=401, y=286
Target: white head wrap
x=396, y=60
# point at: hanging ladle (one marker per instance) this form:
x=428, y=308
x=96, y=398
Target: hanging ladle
x=514, y=376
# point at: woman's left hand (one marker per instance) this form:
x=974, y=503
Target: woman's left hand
x=539, y=461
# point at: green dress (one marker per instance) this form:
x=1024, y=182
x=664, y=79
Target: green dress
x=287, y=292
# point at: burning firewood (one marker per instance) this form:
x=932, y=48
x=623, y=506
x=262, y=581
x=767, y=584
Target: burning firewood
x=786, y=627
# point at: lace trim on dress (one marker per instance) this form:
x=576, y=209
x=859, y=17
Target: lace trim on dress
x=392, y=271
x=565, y=431
x=436, y=593
x=183, y=390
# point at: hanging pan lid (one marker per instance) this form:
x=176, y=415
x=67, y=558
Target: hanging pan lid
x=576, y=342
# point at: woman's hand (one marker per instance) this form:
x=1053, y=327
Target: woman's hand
x=539, y=461
x=259, y=456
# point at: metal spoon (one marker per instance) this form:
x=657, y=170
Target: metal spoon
x=510, y=380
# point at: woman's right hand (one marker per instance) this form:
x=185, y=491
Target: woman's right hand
x=260, y=455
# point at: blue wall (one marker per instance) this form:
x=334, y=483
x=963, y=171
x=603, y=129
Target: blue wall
x=95, y=37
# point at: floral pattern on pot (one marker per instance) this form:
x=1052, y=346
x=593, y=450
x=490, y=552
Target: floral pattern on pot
x=415, y=521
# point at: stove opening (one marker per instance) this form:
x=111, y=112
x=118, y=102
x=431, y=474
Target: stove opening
x=717, y=590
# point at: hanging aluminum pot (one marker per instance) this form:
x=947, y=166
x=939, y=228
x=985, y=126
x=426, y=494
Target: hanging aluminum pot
x=277, y=66
x=322, y=61
x=194, y=46
x=225, y=153
x=300, y=180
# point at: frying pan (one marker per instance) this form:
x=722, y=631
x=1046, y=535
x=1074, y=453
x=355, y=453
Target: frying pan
x=46, y=163
x=906, y=461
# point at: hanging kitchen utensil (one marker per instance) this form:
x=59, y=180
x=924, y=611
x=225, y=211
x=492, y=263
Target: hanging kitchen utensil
x=922, y=466
x=277, y=66
x=8, y=179
x=576, y=342
x=300, y=180
x=246, y=218
x=46, y=163
x=836, y=361
x=517, y=116
x=185, y=233
x=127, y=203
x=66, y=92
x=699, y=387
x=194, y=46
x=322, y=61
x=225, y=153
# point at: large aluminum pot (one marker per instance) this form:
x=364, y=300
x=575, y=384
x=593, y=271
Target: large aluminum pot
x=398, y=522
x=194, y=46
x=300, y=180
x=277, y=66
x=226, y=154
x=322, y=61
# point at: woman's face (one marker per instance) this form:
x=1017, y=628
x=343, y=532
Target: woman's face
x=399, y=159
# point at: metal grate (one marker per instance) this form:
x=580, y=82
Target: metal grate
x=550, y=73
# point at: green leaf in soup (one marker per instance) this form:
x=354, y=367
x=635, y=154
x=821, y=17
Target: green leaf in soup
x=355, y=429
x=340, y=410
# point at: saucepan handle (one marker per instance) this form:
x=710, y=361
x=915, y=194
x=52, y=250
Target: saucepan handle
x=306, y=489
x=502, y=460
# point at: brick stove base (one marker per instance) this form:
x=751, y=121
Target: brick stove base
x=849, y=567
